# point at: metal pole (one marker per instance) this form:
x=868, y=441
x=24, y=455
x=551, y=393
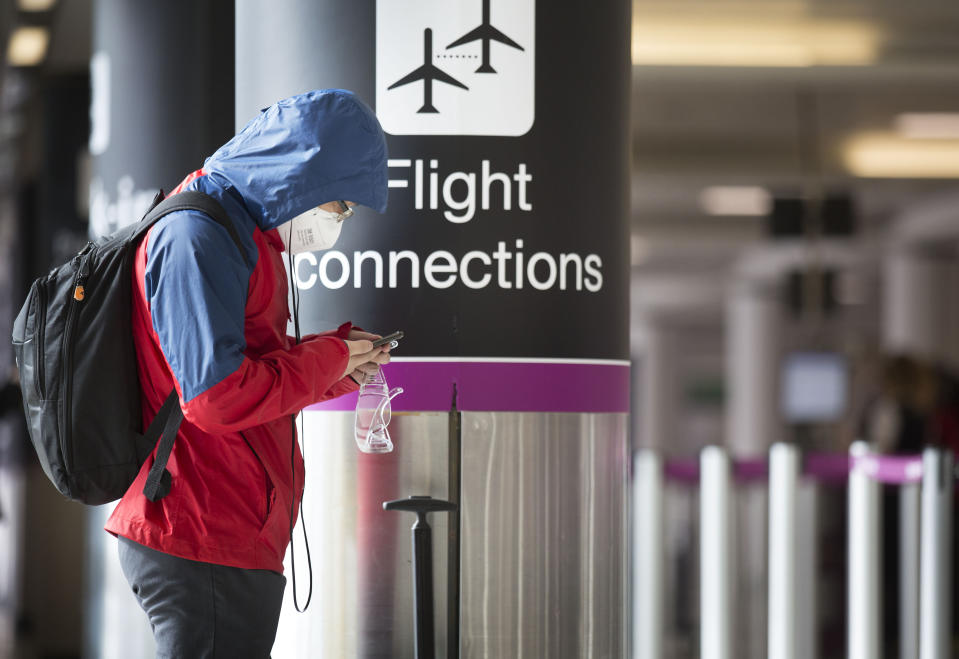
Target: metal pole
x=422, y=535
x=909, y=530
x=423, y=587
x=783, y=485
x=648, y=542
x=935, y=615
x=865, y=589
x=715, y=555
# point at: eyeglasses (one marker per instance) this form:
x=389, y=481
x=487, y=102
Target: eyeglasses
x=373, y=414
x=345, y=211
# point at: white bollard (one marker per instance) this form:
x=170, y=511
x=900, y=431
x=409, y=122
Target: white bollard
x=807, y=570
x=935, y=615
x=715, y=555
x=865, y=591
x=648, y=543
x=909, y=530
x=783, y=488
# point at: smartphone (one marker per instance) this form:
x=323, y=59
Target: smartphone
x=389, y=338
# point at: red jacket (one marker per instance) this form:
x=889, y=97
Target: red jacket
x=231, y=463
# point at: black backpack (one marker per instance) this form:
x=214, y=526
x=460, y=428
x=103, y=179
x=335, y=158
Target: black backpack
x=73, y=341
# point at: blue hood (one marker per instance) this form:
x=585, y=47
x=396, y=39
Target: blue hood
x=304, y=151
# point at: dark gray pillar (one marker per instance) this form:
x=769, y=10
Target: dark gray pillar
x=504, y=258
x=162, y=80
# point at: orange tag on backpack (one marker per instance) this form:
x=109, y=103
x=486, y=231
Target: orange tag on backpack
x=78, y=293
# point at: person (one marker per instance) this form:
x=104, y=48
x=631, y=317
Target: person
x=205, y=562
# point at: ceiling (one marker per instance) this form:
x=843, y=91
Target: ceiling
x=784, y=127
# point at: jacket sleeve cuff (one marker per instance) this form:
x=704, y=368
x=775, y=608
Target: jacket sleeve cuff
x=341, y=388
x=341, y=332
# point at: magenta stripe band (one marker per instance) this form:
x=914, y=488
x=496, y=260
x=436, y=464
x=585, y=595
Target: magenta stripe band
x=893, y=469
x=824, y=467
x=505, y=385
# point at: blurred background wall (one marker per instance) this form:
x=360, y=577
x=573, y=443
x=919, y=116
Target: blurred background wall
x=795, y=223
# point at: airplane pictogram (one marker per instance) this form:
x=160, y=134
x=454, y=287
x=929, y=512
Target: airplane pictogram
x=428, y=73
x=485, y=33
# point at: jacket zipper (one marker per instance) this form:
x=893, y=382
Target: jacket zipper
x=79, y=293
x=40, y=334
x=266, y=475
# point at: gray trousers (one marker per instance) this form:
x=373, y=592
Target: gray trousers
x=201, y=610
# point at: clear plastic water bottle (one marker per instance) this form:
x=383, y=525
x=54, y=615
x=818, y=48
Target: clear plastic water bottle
x=371, y=426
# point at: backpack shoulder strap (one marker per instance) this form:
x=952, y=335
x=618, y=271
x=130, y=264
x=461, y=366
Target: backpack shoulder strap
x=163, y=427
x=168, y=418
x=203, y=203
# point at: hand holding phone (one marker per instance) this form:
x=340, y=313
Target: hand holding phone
x=389, y=338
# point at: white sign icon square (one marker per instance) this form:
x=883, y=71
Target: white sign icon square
x=455, y=67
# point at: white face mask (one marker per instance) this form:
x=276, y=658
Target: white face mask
x=311, y=231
